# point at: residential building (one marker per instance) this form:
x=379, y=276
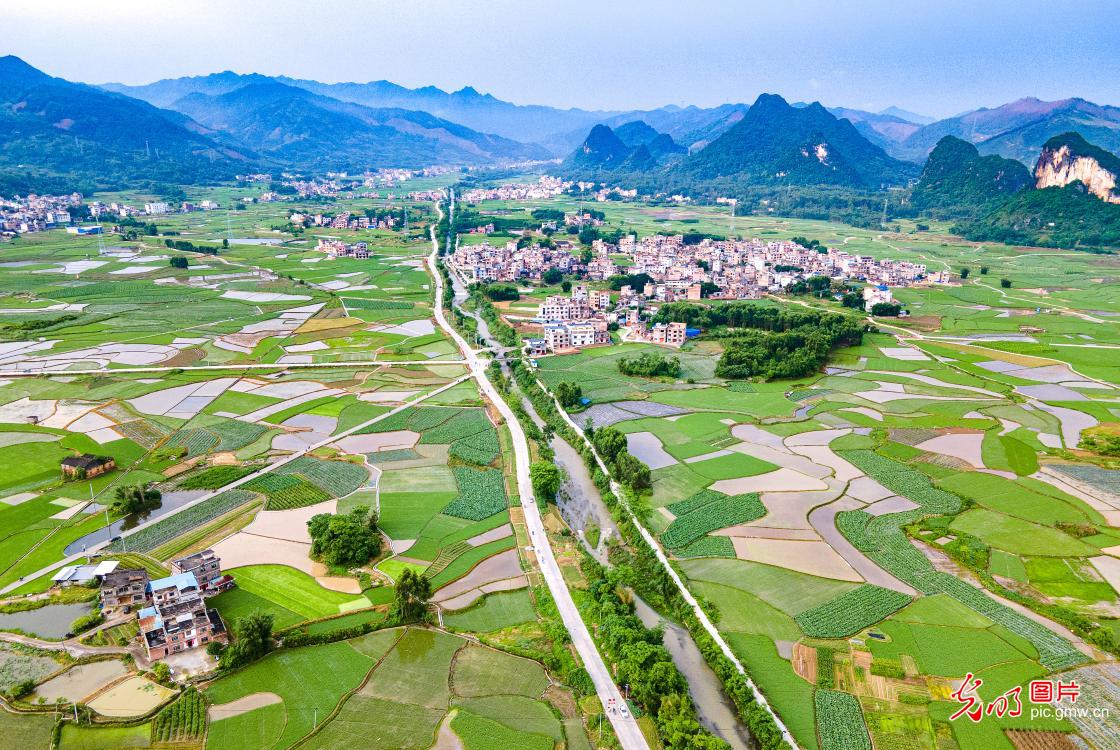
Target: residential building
x=178, y=619
x=124, y=587
x=205, y=566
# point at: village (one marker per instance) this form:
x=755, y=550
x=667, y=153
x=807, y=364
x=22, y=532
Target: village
x=673, y=268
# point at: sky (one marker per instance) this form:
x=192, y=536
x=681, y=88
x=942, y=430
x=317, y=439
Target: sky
x=934, y=57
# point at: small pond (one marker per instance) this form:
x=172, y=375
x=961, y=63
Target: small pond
x=51, y=622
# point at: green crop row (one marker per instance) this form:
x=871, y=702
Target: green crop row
x=168, y=528
x=464, y=424
x=481, y=448
x=214, y=477
x=481, y=494
x=851, y=612
x=708, y=546
x=336, y=478
x=902, y=480
x=840, y=722
x=882, y=539
x=182, y=721
x=196, y=441
x=717, y=514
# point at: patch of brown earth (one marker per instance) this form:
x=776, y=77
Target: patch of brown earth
x=186, y=357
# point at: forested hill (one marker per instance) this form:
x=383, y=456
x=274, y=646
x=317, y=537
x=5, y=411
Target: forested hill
x=957, y=181
x=58, y=135
x=777, y=143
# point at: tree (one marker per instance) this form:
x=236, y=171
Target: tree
x=965, y=272
x=252, y=640
x=886, y=309
x=983, y=270
x=569, y=394
x=178, y=262
x=546, y=479
x=1005, y=283
x=412, y=595
x=345, y=540
x=136, y=498
x=552, y=276
x=225, y=244
x=853, y=300
x=565, y=286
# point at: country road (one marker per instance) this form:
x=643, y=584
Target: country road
x=629, y=735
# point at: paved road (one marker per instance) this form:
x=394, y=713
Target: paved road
x=71, y=646
x=232, y=485
x=629, y=735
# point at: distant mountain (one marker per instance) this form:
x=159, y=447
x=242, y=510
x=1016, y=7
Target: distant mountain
x=54, y=134
x=881, y=129
x=294, y=126
x=638, y=133
x=903, y=114
x=1019, y=129
x=602, y=149
x=957, y=181
x=559, y=130
x=776, y=143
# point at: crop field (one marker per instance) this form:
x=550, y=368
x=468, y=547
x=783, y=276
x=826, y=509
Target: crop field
x=840, y=489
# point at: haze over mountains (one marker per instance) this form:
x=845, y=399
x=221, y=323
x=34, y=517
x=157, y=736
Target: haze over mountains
x=210, y=127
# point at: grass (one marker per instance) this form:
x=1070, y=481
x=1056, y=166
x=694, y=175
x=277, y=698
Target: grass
x=102, y=738
x=405, y=514
x=26, y=731
x=259, y=728
x=741, y=612
x=494, y=612
x=517, y=713
x=945, y=650
x=416, y=670
x=1019, y=537
x=479, y=733
x=790, y=695
x=731, y=466
x=481, y=671
x=298, y=677
x=788, y=591
x=237, y=603
x=291, y=589
x=378, y=724
x=1014, y=498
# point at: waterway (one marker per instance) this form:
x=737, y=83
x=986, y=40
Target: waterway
x=51, y=622
x=714, y=709
x=170, y=501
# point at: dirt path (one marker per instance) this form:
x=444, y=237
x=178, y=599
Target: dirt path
x=446, y=739
x=243, y=705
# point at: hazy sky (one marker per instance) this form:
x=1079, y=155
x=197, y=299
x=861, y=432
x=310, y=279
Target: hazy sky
x=930, y=56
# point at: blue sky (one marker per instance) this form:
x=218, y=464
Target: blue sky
x=937, y=58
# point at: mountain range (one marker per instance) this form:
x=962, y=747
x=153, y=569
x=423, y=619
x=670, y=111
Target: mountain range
x=773, y=143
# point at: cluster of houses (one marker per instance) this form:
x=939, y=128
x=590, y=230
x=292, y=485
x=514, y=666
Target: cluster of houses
x=339, y=249
x=747, y=269
x=171, y=611
x=545, y=187
x=587, y=316
x=489, y=263
x=36, y=213
x=343, y=220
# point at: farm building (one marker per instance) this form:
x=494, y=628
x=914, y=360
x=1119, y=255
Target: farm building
x=86, y=466
x=80, y=575
x=205, y=566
